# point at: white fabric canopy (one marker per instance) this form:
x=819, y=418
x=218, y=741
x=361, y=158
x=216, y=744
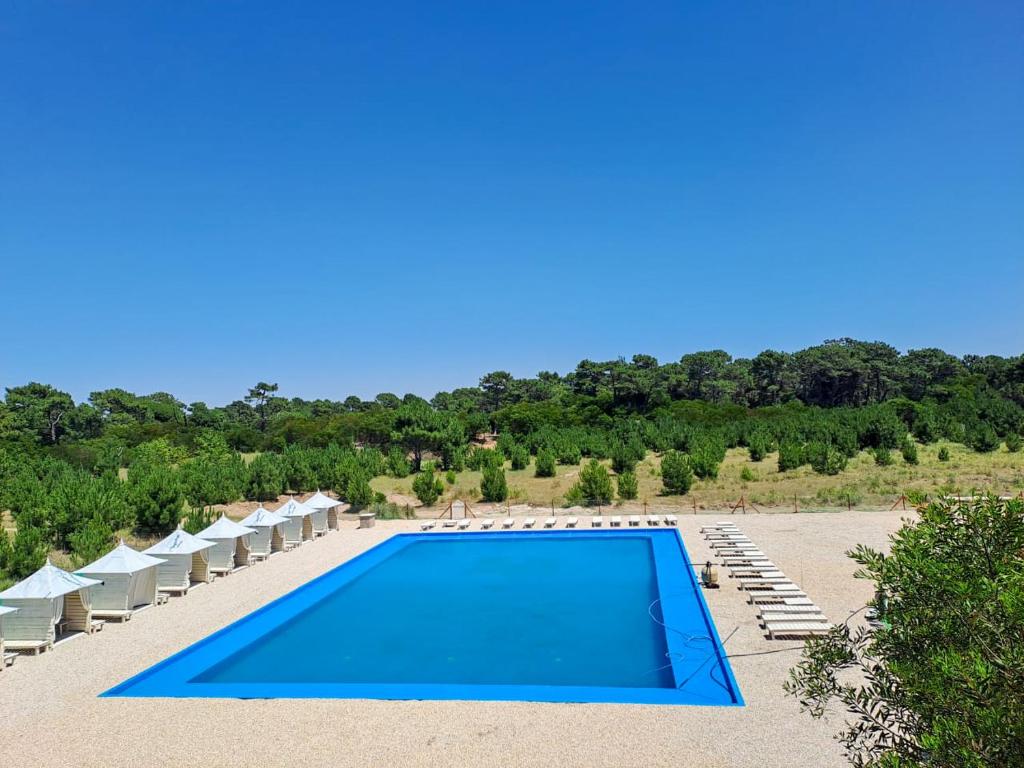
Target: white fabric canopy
x=293, y=508
x=224, y=529
x=320, y=501
x=47, y=583
x=6, y=609
x=263, y=518
x=121, y=559
x=181, y=542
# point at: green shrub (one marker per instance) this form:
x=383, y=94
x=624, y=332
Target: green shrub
x=594, y=485
x=706, y=455
x=569, y=454
x=1013, y=442
x=493, y=486
x=157, y=497
x=676, y=473
x=266, y=477
x=625, y=456
x=909, y=451
x=883, y=456
x=759, y=444
x=398, y=463
x=628, y=486
x=24, y=554
x=826, y=459
x=747, y=475
x=91, y=541
x=427, y=487
x=983, y=439
x=357, y=490
x=544, y=466
x=943, y=453
x=791, y=456
x=450, y=477
x=519, y=455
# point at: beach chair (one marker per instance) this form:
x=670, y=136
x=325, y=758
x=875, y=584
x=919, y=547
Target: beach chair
x=771, y=597
x=550, y=522
x=614, y=521
x=746, y=557
x=426, y=526
x=634, y=521
x=508, y=522
x=596, y=521
x=464, y=524
x=572, y=522
x=654, y=519
x=671, y=520
x=796, y=628
x=448, y=523
x=719, y=527
x=741, y=571
x=487, y=525
x=529, y=522
x=761, y=582
x=776, y=612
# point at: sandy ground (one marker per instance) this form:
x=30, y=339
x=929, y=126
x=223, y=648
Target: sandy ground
x=50, y=714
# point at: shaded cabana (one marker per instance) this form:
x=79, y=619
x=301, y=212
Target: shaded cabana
x=186, y=561
x=129, y=582
x=230, y=544
x=5, y=658
x=269, y=535
x=48, y=601
x=299, y=527
x=322, y=503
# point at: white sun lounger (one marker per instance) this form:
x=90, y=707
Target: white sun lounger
x=529, y=522
x=508, y=522
x=763, y=574
x=634, y=521
x=448, y=523
x=550, y=522
x=755, y=557
x=768, y=612
x=426, y=526
x=796, y=628
x=760, y=583
x=572, y=522
x=614, y=521
x=597, y=521
x=487, y=524
x=731, y=527
x=770, y=596
x=464, y=524
x=654, y=519
x=750, y=570
x=733, y=545
x=671, y=520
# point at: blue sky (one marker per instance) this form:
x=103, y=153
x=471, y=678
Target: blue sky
x=363, y=197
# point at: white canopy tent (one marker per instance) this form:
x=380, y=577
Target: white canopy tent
x=299, y=527
x=323, y=503
x=269, y=536
x=186, y=560
x=230, y=544
x=45, y=599
x=5, y=658
x=129, y=581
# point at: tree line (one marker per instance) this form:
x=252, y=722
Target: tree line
x=72, y=473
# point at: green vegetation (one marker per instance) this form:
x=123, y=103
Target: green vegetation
x=627, y=486
x=427, y=487
x=594, y=486
x=941, y=682
x=143, y=462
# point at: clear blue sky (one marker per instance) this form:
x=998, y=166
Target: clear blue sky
x=349, y=198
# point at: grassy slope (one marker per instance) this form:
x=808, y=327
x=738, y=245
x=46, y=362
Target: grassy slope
x=869, y=485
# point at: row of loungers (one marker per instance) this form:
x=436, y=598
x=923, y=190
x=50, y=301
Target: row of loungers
x=597, y=521
x=783, y=608
x=39, y=610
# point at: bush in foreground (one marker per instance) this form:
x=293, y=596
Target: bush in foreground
x=940, y=683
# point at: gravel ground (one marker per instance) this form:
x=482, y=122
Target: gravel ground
x=50, y=713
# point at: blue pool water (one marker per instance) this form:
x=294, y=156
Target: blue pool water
x=540, y=615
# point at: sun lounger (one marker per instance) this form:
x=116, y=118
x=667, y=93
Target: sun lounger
x=751, y=557
x=529, y=522
x=572, y=522
x=634, y=521
x=719, y=527
x=448, y=523
x=550, y=522
x=464, y=524
x=426, y=526
x=763, y=574
x=508, y=522
x=748, y=544
x=112, y=615
x=770, y=596
x=614, y=521
x=596, y=522
x=487, y=524
x=796, y=628
x=654, y=519
x=752, y=570
x=671, y=520
x=760, y=583
x=35, y=647
x=767, y=611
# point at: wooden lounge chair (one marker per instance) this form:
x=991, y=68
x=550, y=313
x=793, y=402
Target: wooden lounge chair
x=634, y=521
x=671, y=520
x=615, y=521
x=550, y=522
x=508, y=522
x=112, y=615
x=597, y=521
x=427, y=525
x=796, y=628
x=34, y=647
x=529, y=522
x=486, y=525
x=464, y=524
x=572, y=522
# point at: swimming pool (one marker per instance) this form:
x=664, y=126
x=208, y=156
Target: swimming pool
x=585, y=616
